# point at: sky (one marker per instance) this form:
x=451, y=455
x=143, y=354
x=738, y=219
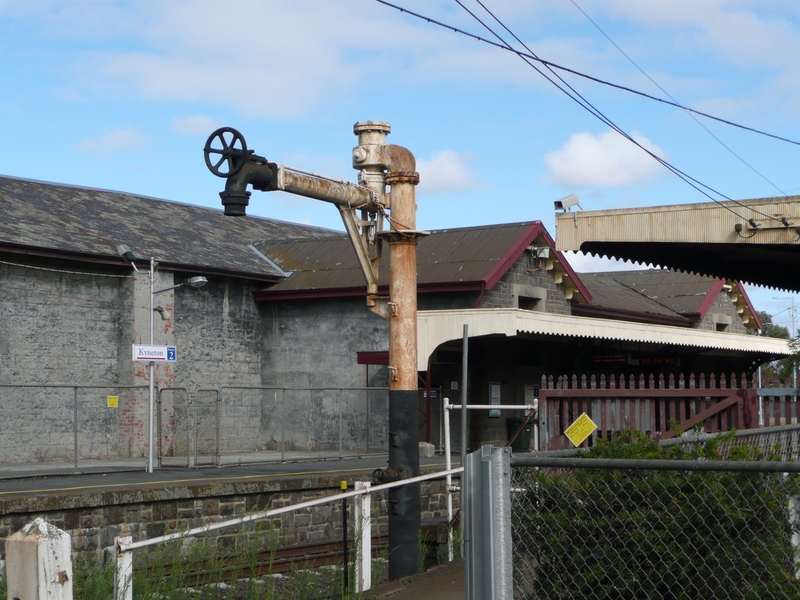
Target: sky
x=122, y=95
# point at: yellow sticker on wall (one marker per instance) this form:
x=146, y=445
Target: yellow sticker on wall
x=113, y=402
x=582, y=428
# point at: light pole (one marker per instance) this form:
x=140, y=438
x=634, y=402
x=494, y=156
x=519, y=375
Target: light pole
x=193, y=283
x=791, y=310
x=791, y=314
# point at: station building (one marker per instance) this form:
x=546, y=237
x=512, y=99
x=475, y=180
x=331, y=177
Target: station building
x=285, y=307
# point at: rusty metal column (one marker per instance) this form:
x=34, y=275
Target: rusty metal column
x=404, y=502
x=381, y=164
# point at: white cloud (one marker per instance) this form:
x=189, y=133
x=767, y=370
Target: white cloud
x=292, y=59
x=113, y=142
x=196, y=125
x=284, y=60
x=607, y=159
x=447, y=171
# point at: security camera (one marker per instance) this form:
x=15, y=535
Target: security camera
x=567, y=202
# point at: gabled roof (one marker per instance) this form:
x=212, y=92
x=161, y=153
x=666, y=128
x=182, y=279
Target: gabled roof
x=673, y=297
x=88, y=224
x=468, y=258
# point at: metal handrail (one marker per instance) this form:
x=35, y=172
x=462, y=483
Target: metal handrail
x=125, y=548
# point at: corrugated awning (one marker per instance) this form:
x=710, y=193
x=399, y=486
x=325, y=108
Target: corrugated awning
x=755, y=241
x=437, y=327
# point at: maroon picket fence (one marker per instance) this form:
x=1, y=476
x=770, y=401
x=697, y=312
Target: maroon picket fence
x=655, y=404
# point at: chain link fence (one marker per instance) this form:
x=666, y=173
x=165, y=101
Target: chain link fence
x=666, y=529
x=266, y=424
x=54, y=429
x=50, y=430
x=187, y=428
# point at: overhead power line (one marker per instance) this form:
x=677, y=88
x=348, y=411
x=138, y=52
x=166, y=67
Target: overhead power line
x=584, y=75
x=687, y=111
x=576, y=97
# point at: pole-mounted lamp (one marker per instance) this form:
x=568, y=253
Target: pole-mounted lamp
x=195, y=282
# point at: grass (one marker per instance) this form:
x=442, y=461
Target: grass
x=180, y=571
x=169, y=574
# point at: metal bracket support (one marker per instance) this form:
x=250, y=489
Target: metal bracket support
x=369, y=265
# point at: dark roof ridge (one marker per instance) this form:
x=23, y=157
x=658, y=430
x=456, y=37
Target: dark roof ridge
x=489, y=226
x=431, y=231
x=159, y=200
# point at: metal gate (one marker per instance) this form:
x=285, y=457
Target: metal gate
x=187, y=428
x=206, y=427
x=174, y=427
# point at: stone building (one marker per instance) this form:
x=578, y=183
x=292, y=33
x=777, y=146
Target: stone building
x=284, y=307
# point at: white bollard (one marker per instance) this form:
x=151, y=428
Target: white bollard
x=363, y=536
x=39, y=563
x=123, y=581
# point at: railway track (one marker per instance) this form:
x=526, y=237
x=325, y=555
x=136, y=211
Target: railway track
x=281, y=560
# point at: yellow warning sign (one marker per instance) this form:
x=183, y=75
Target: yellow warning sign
x=582, y=428
x=113, y=401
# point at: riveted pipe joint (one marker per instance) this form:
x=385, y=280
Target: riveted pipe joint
x=388, y=475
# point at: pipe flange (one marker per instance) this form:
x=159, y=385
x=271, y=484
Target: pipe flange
x=402, y=177
x=378, y=126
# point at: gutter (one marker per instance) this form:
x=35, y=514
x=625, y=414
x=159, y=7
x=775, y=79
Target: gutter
x=584, y=310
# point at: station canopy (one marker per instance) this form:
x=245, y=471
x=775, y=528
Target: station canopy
x=755, y=241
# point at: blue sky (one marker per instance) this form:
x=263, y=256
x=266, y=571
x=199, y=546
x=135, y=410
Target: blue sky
x=122, y=95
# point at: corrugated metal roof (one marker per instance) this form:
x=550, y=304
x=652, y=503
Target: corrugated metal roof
x=656, y=291
x=446, y=256
x=697, y=238
x=696, y=223
x=90, y=222
x=439, y=326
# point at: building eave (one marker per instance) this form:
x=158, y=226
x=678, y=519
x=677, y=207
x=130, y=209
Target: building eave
x=627, y=315
x=308, y=294
x=437, y=327
x=697, y=238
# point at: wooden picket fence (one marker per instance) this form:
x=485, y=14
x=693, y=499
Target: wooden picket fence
x=654, y=404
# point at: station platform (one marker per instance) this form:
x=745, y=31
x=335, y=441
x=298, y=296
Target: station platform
x=445, y=582
x=316, y=474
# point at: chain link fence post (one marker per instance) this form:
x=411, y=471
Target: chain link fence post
x=75, y=423
x=487, y=524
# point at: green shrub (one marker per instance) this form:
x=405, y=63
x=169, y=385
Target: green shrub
x=613, y=534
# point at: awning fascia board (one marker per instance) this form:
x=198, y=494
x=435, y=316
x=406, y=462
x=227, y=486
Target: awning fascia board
x=437, y=327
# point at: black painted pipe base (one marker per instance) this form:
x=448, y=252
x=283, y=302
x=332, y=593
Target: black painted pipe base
x=404, y=504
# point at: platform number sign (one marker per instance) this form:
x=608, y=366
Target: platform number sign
x=155, y=353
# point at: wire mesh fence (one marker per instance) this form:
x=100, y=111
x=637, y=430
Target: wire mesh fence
x=601, y=533
x=176, y=427
x=47, y=430
x=62, y=429
x=266, y=424
x=207, y=416
x=188, y=428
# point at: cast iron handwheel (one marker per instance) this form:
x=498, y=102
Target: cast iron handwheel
x=229, y=144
